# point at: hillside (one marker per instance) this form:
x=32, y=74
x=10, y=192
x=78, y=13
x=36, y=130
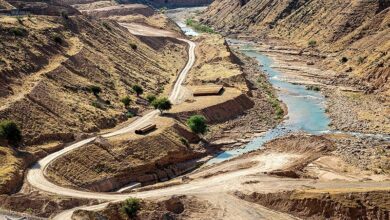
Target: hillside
x=45, y=87
x=354, y=29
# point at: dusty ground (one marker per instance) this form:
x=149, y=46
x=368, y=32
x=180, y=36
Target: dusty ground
x=265, y=174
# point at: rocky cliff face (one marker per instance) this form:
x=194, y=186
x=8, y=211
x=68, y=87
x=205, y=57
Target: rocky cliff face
x=354, y=29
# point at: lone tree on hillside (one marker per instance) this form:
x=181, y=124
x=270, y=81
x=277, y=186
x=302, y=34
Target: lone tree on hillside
x=126, y=101
x=10, y=132
x=162, y=104
x=197, y=124
x=95, y=90
x=131, y=207
x=138, y=89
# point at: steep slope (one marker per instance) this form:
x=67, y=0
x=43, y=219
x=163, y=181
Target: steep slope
x=355, y=29
x=49, y=65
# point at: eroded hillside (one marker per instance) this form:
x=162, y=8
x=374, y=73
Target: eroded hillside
x=50, y=64
x=352, y=36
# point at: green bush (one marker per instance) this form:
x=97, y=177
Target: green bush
x=197, y=124
x=130, y=114
x=20, y=20
x=162, y=104
x=198, y=26
x=343, y=60
x=95, y=90
x=10, y=132
x=131, y=207
x=313, y=88
x=360, y=60
x=312, y=43
x=150, y=98
x=19, y=31
x=58, y=39
x=138, y=89
x=126, y=101
x=133, y=46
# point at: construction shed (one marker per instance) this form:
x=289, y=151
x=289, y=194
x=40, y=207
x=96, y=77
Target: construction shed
x=207, y=90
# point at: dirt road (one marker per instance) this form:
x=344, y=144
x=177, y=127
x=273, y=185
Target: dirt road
x=36, y=175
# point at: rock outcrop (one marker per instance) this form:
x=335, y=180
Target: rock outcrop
x=354, y=34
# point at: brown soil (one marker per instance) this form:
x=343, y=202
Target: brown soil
x=356, y=30
x=175, y=207
x=50, y=81
x=40, y=204
x=316, y=205
x=129, y=158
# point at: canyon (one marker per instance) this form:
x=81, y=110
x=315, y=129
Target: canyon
x=298, y=130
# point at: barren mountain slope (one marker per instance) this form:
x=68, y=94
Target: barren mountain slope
x=355, y=29
x=49, y=64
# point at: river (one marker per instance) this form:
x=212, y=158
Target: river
x=306, y=108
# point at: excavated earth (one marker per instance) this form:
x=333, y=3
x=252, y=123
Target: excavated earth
x=46, y=86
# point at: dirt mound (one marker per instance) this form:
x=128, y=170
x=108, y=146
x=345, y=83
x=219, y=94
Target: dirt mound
x=39, y=204
x=62, y=58
x=311, y=147
x=356, y=30
x=308, y=205
x=215, y=109
x=190, y=208
x=158, y=156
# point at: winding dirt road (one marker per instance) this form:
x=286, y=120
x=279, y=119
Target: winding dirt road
x=36, y=175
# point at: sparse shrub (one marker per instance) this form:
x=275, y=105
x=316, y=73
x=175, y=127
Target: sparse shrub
x=126, y=101
x=10, y=132
x=198, y=26
x=58, y=39
x=313, y=88
x=197, y=124
x=150, y=98
x=65, y=15
x=107, y=26
x=278, y=109
x=130, y=114
x=19, y=31
x=95, y=90
x=343, y=60
x=184, y=141
x=131, y=207
x=20, y=20
x=312, y=43
x=162, y=104
x=96, y=104
x=138, y=89
x=133, y=46
x=360, y=60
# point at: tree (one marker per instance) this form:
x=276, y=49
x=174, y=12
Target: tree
x=10, y=131
x=197, y=124
x=131, y=207
x=138, y=90
x=162, y=104
x=150, y=98
x=126, y=101
x=95, y=90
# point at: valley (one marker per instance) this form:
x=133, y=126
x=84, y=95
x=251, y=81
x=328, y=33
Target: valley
x=290, y=133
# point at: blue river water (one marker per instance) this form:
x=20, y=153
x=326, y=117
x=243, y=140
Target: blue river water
x=306, y=108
